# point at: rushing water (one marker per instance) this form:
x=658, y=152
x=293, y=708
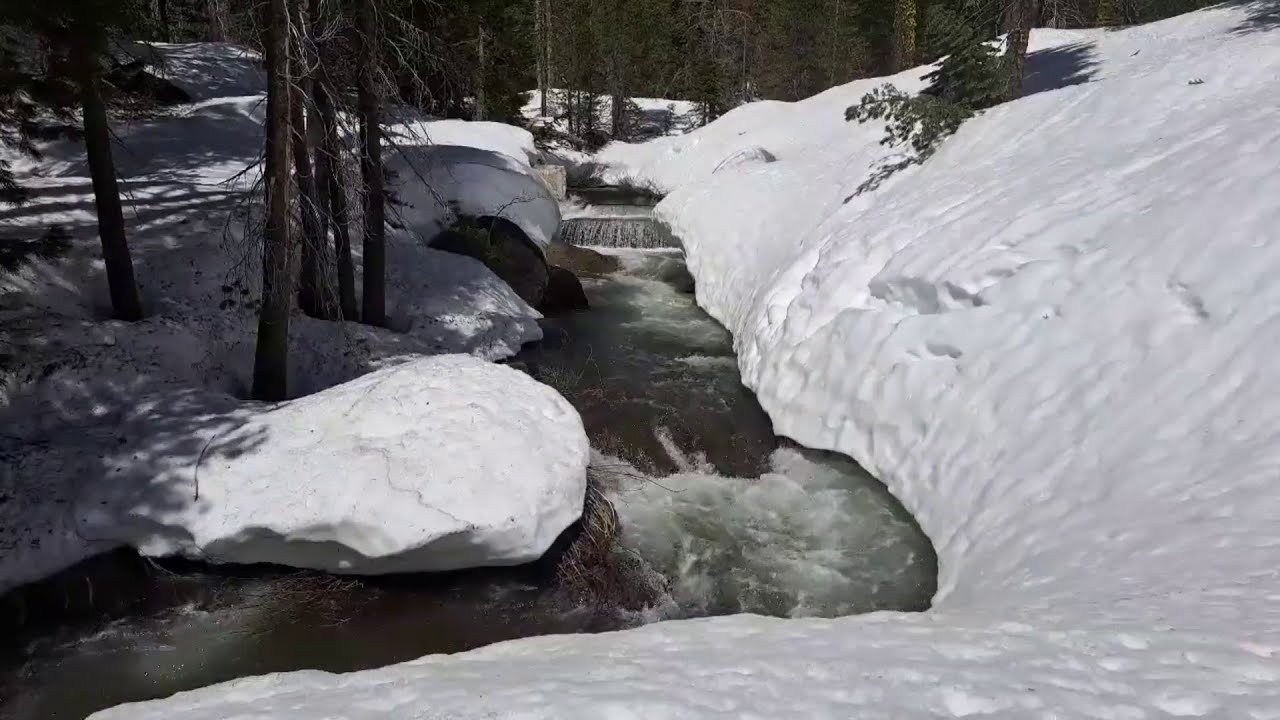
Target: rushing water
x=734, y=518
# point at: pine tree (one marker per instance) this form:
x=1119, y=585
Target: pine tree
x=271, y=359
x=904, y=34
x=369, y=105
x=1019, y=16
x=84, y=52
x=328, y=174
x=1107, y=13
x=311, y=298
x=77, y=33
x=542, y=35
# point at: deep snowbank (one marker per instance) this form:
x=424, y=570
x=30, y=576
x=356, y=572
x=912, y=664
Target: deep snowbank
x=1059, y=319
x=392, y=472
x=1055, y=342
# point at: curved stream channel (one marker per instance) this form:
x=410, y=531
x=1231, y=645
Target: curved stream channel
x=728, y=517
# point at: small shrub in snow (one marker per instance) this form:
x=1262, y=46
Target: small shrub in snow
x=921, y=121
x=971, y=78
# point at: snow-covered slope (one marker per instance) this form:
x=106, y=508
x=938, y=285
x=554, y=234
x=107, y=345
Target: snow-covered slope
x=392, y=472
x=67, y=373
x=1055, y=342
x=1072, y=294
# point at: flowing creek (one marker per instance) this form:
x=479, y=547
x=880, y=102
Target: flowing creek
x=734, y=518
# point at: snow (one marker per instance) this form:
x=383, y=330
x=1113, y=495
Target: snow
x=436, y=184
x=656, y=116
x=1054, y=342
x=212, y=70
x=66, y=369
x=495, y=137
x=391, y=472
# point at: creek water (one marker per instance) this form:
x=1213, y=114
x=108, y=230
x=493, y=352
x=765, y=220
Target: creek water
x=731, y=517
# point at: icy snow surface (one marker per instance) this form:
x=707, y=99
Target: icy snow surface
x=1056, y=342
x=394, y=471
x=64, y=369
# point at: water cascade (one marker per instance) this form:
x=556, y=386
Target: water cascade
x=616, y=226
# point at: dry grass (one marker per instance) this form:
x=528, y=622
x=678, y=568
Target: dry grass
x=597, y=569
x=587, y=569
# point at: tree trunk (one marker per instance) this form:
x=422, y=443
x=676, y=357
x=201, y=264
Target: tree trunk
x=217, y=21
x=311, y=297
x=547, y=58
x=541, y=38
x=1106, y=13
x=904, y=34
x=618, y=114
x=125, y=303
x=271, y=359
x=1019, y=17
x=922, y=31
x=166, y=31
x=482, y=76
x=368, y=105
x=329, y=171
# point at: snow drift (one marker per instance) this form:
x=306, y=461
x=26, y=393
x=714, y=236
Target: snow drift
x=434, y=464
x=1055, y=342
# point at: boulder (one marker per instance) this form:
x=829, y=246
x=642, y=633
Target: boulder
x=564, y=292
x=436, y=186
x=581, y=259
x=503, y=248
x=438, y=463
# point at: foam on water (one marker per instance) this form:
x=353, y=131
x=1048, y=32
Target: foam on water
x=814, y=536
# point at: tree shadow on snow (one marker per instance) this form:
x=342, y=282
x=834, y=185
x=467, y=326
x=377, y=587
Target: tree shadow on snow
x=1260, y=16
x=90, y=463
x=168, y=225
x=1059, y=67
x=210, y=70
x=180, y=146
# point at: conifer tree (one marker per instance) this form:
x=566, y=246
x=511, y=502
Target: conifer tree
x=369, y=102
x=77, y=34
x=271, y=358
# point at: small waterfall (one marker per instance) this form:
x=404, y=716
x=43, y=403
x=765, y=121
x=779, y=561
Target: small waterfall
x=615, y=232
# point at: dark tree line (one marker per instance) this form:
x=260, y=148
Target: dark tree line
x=478, y=58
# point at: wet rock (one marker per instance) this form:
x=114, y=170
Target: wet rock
x=581, y=260
x=564, y=292
x=504, y=248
